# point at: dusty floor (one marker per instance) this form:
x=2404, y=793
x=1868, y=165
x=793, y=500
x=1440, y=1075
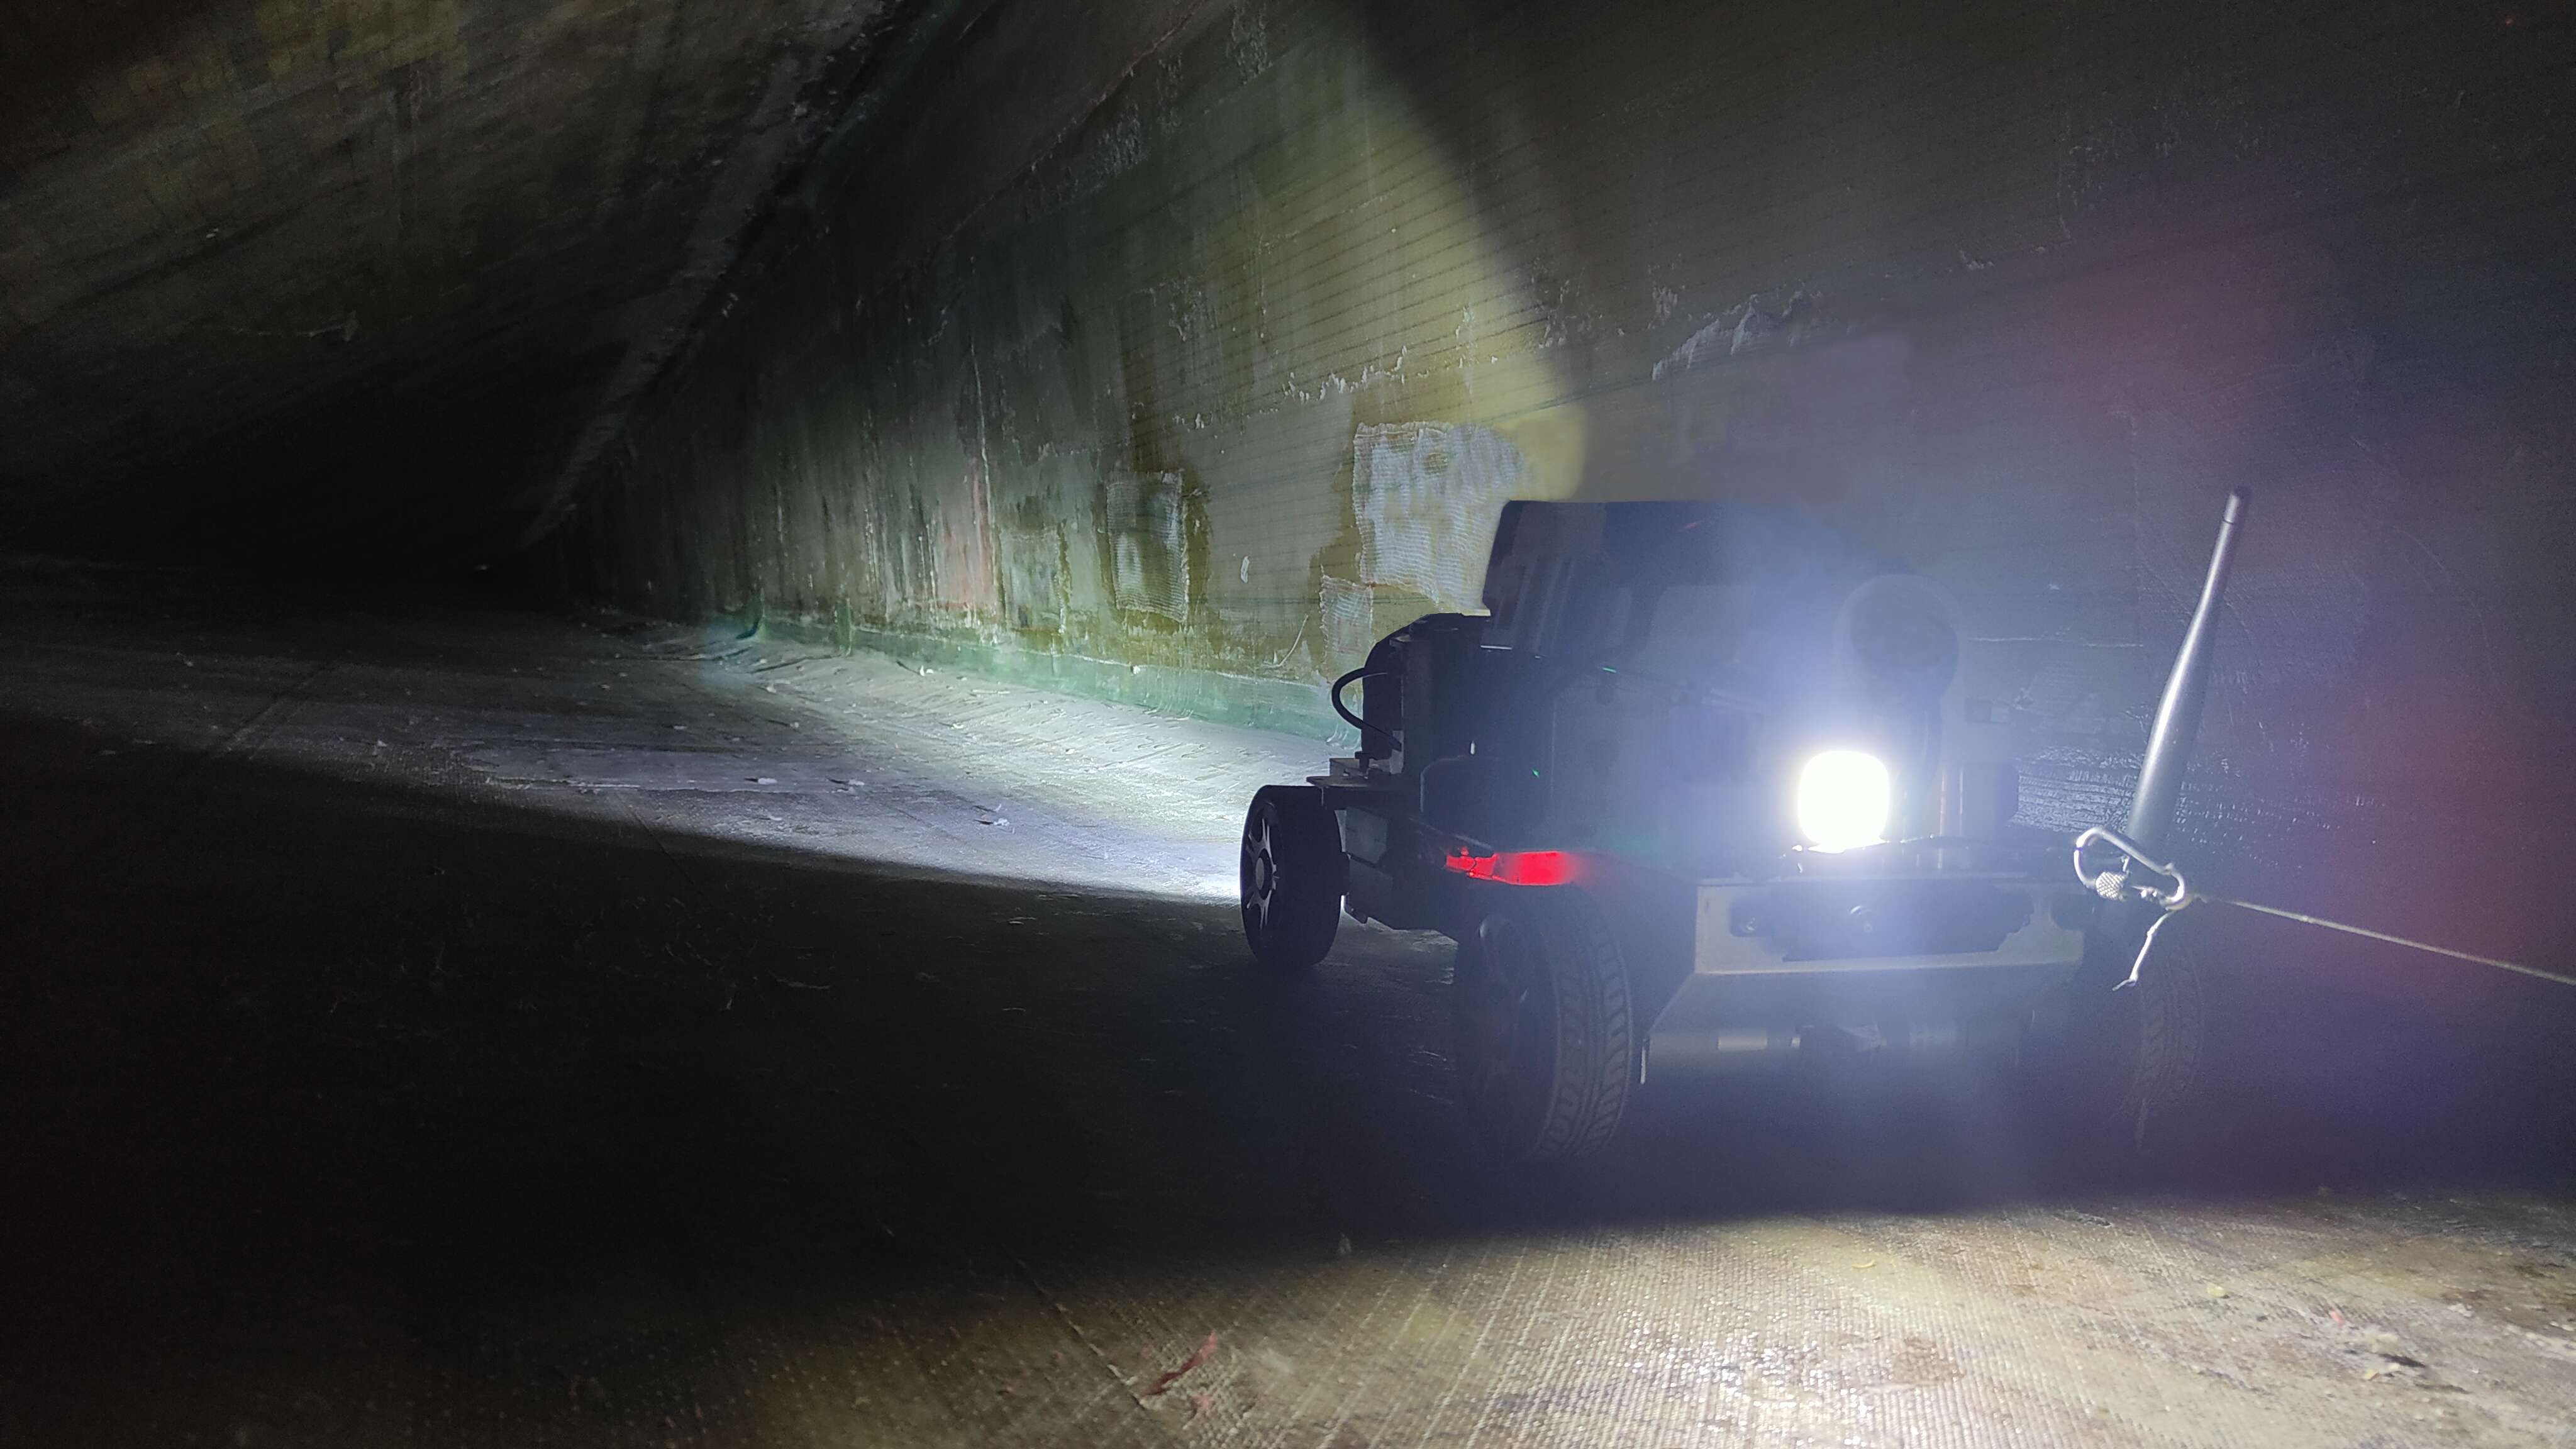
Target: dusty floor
x=444, y=1025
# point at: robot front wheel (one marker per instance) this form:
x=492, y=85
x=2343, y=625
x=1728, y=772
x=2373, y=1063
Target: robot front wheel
x=1293, y=874
x=1546, y=1032
x=2132, y=1067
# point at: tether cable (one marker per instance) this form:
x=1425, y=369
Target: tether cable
x=2306, y=919
x=2116, y=885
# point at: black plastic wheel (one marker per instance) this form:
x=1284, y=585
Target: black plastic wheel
x=1293, y=876
x=1546, y=1038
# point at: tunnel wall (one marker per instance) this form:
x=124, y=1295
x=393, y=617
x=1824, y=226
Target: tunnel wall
x=1177, y=355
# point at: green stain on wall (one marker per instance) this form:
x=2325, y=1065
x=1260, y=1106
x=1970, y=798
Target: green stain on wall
x=1178, y=353
x=1116, y=432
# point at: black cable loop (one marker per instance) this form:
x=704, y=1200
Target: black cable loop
x=1363, y=672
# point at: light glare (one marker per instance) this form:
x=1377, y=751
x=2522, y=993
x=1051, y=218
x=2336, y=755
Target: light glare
x=1843, y=800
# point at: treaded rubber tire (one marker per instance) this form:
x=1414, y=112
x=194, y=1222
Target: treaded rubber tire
x=1292, y=876
x=2135, y=1065
x=1545, y=1029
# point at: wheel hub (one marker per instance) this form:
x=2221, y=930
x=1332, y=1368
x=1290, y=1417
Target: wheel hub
x=1262, y=875
x=1501, y=993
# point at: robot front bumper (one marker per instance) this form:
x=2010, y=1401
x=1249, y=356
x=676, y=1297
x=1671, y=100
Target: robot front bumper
x=1921, y=972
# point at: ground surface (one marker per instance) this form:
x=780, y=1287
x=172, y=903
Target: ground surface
x=450, y=1026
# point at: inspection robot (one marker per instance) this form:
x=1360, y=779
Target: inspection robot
x=1707, y=792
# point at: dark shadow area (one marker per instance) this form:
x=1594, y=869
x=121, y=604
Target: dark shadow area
x=329, y=1072
x=300, y=1060
x=425, y=444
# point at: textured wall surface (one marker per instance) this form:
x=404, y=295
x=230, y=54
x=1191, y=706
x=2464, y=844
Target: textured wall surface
x=320, y=283
x=1208, y=338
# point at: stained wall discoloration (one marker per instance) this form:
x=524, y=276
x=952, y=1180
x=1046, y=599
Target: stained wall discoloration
x=2015, y=294
x=1153, y=346
x=1427, y=498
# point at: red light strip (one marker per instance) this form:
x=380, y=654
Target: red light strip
x=1514, y=867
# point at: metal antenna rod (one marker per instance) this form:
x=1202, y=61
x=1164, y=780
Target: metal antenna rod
x=2151, y=811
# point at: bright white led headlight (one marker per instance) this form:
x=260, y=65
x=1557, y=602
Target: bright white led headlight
x=1843, y=800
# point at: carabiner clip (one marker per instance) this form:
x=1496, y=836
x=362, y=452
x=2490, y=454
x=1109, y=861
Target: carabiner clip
x=2113, y=885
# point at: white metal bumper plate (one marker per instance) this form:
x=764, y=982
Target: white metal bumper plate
x=1720, y=952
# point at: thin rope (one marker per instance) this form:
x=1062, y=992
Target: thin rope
x=2149, y=944
x=2309, y=920
x=2115, y=885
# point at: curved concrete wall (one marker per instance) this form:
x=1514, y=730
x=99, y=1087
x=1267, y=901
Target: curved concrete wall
x=1181, y=351
x=332, y=286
